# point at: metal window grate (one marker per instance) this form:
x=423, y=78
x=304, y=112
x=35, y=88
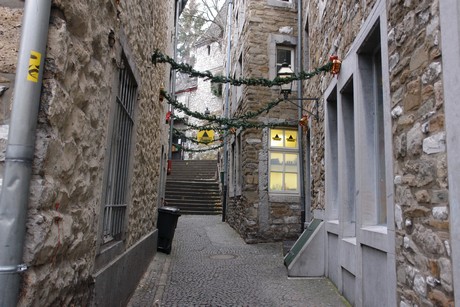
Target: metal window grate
x=119, y=155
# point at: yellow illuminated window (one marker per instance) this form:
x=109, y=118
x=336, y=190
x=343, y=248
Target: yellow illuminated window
x=280, y=138
x=283, y=164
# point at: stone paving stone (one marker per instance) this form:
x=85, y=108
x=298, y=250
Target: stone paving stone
x=210, y=265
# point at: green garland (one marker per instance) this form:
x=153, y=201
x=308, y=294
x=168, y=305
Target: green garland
x=225, y=123
x=159, y=57
x=269, y=106
x=193, y=140
x=198, y=150
x=202, y=116
x=206, y=127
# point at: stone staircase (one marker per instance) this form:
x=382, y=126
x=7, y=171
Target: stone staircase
x=193, y=187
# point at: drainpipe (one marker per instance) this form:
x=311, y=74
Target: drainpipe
x=299, y=129
x=173, y=85
x=20, y=149
x=226, y=112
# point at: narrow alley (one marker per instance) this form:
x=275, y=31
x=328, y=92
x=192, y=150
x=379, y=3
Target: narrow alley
x=210, y=265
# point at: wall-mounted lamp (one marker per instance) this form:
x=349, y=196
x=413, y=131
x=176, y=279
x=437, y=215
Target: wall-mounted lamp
x=284, y=73
x=206, y=112
x=286, y=89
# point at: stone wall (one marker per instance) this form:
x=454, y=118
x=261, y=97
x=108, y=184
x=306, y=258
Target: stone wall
x=423, y=260
x=64, y=217
x=333, y=26
x=421, y=189
x=256, y=216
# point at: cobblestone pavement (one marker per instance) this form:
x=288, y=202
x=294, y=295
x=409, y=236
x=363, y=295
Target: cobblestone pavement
x=210, y=265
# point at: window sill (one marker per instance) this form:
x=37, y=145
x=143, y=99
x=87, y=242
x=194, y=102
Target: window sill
x=351, y=240
x=281, y=198
x=282, y=4
x=332, y=226
x=348, y=254
x=375, y=237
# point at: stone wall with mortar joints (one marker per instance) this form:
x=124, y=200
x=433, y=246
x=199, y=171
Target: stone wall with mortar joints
x=332, y=30
x=423, y=258
x=147, y=25
x=421, y=209
x=254, y=43
x=72, y=135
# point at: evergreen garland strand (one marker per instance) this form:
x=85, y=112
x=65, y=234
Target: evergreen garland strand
x=225, y=123
x=178, y=133
x=159, y=57
x=198, y=150
x=205, y=127
x=269, y=106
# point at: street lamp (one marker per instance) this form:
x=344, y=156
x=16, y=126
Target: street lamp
x=284, y=73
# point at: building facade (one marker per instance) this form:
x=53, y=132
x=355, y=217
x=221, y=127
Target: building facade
x=379, y=153
x=379, y=170
x=100, y=150
x=264, y=181
x=202, y=96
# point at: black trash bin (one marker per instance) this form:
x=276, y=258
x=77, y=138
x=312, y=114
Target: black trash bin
x=167, y=222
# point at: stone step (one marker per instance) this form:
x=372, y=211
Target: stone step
x=193, y=187
x=190, y=200
x=199, y=210
x=194, y=177
x=199, y=207
x=193, y=190
x=207, y=183
x=202, y=208
x=192, y=212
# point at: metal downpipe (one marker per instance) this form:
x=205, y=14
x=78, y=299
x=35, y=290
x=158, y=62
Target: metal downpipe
x=20, y=149
x=299, y=129
x=173, y=83
x=226, y=111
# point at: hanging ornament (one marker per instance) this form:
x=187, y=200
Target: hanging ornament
x=168, y=117
x=336, y=64
x=304, y=121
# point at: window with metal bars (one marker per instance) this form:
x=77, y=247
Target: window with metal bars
x=116, y=189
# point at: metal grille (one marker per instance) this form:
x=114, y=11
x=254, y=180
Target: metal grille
x=120, y=148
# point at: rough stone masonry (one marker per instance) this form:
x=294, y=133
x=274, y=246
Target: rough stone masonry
x=84, y=46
